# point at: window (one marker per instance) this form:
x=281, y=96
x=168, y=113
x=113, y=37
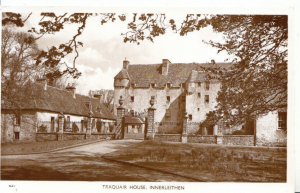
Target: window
x=207, y=85
x=168, y=114
x=282, y=124
x=132, y=98
x=168, y=99
x=198, y=109
x=88, y=105
x=81, y=125
x=152, y=85
x=52, y=124
x=190, y=116
x=206, y=99
x=17, y=135
x=133, y=85
x=199, y=84
x=168, y=85
x=17, y=119
x=182, y=85
x=68, y=122
x=199, y=95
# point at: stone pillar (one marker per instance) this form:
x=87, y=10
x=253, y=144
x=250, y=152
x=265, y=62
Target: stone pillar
x=150, y=133
x=219, y=134
x=120, y=114
x=60, y=134
x=184, y=138
x=89, y=127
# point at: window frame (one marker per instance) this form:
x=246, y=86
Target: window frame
x=206, y=99
x=282, y=120
x=17, y=120
x=132, y=99
x=207, y=85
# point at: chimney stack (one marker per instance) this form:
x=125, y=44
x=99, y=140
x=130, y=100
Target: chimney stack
x=98, y=96
x=42, y=80
x=71, y=88
x=165, y=67
x=125, y=64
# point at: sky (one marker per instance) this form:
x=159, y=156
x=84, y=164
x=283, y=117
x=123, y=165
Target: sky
x=103, y=52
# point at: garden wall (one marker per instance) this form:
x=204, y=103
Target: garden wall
x=72, y=136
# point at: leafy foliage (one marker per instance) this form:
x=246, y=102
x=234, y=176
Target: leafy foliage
x=256, y=83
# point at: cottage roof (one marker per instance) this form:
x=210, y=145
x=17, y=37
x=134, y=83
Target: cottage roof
x=145, y=74
x=133, y=120
x=60, y=100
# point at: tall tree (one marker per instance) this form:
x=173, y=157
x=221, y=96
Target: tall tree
x=257, y=81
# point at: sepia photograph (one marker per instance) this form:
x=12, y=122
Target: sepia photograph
x=144, y=97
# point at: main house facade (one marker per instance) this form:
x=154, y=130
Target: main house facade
x=183, y=91
x=50, y=112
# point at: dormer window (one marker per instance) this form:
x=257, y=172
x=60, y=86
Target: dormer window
x=88, y=105
x=133, y=85
x=153, y=85
x=168, y=85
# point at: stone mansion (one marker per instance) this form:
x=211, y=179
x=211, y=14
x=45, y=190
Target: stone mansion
x=183, y=91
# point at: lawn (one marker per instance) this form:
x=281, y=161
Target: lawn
x=209, y=163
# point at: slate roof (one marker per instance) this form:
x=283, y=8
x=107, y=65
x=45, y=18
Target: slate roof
x=142, y=75
x=132, y=120
x=60, y=100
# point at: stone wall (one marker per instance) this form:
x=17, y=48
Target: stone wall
x=168, y=137
x=243, y=140
x=72, y=136
x=210, y=139
x=46, y=136
x=26, y=129
x=267, y=132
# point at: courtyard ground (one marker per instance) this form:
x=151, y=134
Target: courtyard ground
x=134, y=160
x=84, y=163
